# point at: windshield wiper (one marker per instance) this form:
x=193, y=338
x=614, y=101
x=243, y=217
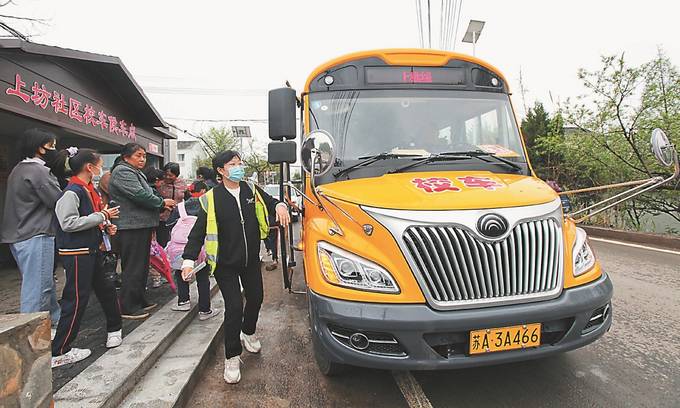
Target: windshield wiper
x=429, y=159
x=456, y=156
x=366, y=160
x=480, y=154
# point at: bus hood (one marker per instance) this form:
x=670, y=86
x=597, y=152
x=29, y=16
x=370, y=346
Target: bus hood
x=452, y=190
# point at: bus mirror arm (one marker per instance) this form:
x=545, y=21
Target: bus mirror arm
x=303, y=195
x=641, y=186
x=336, y=229
x=367, y=228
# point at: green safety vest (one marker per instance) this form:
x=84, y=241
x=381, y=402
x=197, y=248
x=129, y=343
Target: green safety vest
x=207, y=201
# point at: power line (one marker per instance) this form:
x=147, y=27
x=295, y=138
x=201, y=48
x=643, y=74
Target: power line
x=455, y=33
x=449, y=23
x=429, y=25
x=420, y=25
x=444, y=23
x=203, y=91
x=220, y=120
x=441, y=23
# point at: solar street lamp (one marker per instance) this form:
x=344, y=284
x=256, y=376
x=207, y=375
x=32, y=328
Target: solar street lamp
x=474, y=30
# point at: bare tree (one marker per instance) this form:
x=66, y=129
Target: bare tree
x=8, y=24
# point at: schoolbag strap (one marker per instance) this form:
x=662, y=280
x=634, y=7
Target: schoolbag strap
x=253, y=189
x=182, y=210
x=258, y=198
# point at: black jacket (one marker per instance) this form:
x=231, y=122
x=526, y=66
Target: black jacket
x=234, y=251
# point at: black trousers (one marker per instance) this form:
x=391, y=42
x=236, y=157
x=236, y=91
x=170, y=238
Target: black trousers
x=272, y=242
x=163, y=234
x=238, y=318
x=134, y=259
x=203, y=282
x=82, y=276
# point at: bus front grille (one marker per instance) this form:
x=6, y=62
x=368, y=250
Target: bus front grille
x=461, y=271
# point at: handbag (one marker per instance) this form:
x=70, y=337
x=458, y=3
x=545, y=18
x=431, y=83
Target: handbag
x=108, y=263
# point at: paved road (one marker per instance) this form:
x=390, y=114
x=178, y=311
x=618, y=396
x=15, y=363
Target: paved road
x=637, y=364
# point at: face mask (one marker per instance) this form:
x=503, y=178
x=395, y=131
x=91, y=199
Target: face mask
x=98, y=174
x=49, y=156
x=237, y=173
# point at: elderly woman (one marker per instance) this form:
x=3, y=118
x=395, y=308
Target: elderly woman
x=140, y=210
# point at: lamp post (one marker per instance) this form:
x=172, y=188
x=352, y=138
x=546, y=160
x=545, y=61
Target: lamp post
x=474, y=30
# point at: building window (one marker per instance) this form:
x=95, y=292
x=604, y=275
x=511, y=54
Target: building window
x=180, y=157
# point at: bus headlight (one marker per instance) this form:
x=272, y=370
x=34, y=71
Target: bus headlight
x=346, y=269
x=584, y=258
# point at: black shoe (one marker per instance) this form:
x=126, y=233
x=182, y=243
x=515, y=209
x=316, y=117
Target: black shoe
x=138, y=315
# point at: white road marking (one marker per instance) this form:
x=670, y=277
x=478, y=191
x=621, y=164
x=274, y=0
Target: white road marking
x=667, y=251
x=410, y=389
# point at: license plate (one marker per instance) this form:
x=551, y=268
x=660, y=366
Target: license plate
x=505, y=338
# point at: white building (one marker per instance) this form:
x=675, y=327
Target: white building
x=188, y=151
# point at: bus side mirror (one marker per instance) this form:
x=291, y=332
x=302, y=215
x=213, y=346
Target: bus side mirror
x=282, y=152
x=282, y=104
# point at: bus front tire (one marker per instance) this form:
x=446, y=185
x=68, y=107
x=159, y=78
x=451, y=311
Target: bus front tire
x=327, y=367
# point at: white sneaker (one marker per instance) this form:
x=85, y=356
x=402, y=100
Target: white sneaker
x=114, y=339
x=53, y=333
x=251, y=343
x=73, y=356
x=207, y=315
x=232, y=370
x=182, y=306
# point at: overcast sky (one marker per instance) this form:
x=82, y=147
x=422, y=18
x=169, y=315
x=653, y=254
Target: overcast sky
x=229, y=53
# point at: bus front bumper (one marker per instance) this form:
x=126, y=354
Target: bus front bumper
x=416, y=337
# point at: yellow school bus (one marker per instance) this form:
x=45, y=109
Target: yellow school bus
x=427, y=240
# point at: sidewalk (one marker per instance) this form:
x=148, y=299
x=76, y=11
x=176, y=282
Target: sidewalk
x=93, y=328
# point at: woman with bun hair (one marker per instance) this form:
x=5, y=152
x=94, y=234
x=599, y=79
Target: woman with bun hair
x=84, y=227
x=141, y=209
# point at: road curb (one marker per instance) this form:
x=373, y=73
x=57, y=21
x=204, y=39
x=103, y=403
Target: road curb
x=657, y=240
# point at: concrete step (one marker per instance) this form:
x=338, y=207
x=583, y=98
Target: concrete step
x=171, y=380
x=109, y=380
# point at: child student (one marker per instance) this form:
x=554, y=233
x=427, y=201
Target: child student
x=84, y=228
x=183, y=217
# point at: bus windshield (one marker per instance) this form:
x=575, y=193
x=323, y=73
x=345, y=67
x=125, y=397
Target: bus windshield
x=418, y=122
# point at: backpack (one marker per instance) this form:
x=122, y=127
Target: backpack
x=179, y=238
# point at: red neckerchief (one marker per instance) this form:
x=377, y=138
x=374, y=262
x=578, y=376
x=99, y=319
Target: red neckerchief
x=94, y=195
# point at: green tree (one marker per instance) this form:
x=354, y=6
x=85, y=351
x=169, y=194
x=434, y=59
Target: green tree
x=624, y=103
x=215, y=140
x=257, y=163
x=536, y=123
x=543, y=136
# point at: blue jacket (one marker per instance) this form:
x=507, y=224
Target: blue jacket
x=78, y=232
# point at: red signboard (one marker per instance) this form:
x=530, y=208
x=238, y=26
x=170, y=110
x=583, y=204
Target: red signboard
x=72, y=108
x=153, y=148
x=417, y=77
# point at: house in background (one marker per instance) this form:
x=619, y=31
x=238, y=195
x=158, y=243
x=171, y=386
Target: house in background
x=187, y=152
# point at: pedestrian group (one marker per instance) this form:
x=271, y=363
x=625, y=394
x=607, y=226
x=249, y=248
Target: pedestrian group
x=154, y=221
